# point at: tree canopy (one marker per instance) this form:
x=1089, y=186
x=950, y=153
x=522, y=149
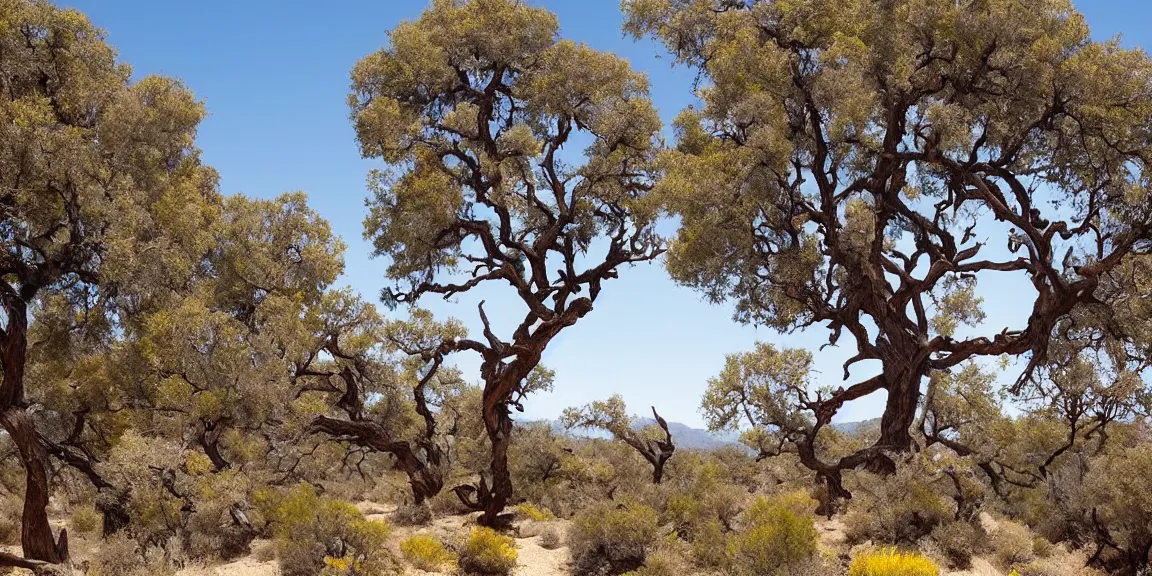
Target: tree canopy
x=471, y=106
x=104, y=202
x=862, y=166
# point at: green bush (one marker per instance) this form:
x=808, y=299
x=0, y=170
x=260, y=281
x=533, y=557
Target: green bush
x=364, y=554
x=119, y=556
x=1012, y=544
x=1042, y=548
x=315, y=535
x=710, y=544
x=86, y=519
x=1057, y=566
x=9, y=522
x=898, y=509
x=488, y=552
x=550, y=539
x=425, y=552
x=533, y=512
x=211, y=529
x=612, y=539
x=412, y=515
x=959, y=541
x=664, y=562
x=706, y=499
x=775, y=535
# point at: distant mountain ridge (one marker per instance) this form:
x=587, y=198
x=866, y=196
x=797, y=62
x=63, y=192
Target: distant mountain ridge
x=687, y=437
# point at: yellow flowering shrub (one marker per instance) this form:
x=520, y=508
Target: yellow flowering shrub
x=532, y=512
x=315, y=534
x=425, y=551
x=488, y=552
x=891, y=562
x=777, y=533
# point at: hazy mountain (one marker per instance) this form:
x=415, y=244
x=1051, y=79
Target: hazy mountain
x=688, y=437
x=854, y=427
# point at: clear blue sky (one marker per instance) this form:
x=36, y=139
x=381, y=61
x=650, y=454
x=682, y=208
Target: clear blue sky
x=274, y=75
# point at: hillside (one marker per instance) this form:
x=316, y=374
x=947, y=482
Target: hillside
x=688, y=437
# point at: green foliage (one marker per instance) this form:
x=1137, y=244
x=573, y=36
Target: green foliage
x=9, y=521
x=550, y=539
x=119, y=556
x=898, y=509
x=487, y=552
x=532, y=512
x=610, y=415
x=1042, y=548
x=86, y=520
x=610, y=538
x=1012, y=544
x=703, y=500
x=664, y=561
x=775, y=536
x=959, y=541
x=425, y=551
x=1117, y=492
x=399, y=115
x=762, y=385
x=890, y=562
x=314, y=534
x=412, y=515
x=831, y=131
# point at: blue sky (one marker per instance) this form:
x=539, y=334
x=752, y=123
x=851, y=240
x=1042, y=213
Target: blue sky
x=274, y=75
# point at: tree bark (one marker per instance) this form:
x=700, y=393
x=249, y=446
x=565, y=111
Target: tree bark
x=209, y=440
x=658, y=472
x=36, y=536
x=498, y=424
x=656, y=452
x=904, y=371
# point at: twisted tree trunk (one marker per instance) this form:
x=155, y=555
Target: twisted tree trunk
x=36, y=536
x=425, y=471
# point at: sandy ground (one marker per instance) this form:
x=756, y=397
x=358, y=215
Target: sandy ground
x=534, y=560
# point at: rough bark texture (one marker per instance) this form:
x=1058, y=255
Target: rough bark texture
x=36, y=535
x=502, y=382
x=425, y=472
x=209, y=441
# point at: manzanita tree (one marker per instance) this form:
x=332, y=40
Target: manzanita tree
x=476, y=106
x=861, y=165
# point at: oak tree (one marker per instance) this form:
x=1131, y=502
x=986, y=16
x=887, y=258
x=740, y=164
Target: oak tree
x=653, y=442
x=377, y=401
x=102, y=194
x=475, y=106
x=864, y=166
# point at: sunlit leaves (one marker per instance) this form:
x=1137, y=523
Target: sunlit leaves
x=470, y=105
x=759, y=389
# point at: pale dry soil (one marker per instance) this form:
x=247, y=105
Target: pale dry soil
x=534, y=560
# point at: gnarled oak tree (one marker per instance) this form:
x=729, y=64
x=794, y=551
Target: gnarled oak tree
x=473, y=105
x=653, y=442
x=861, y=164
x=394, y=406
x=102, y=194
